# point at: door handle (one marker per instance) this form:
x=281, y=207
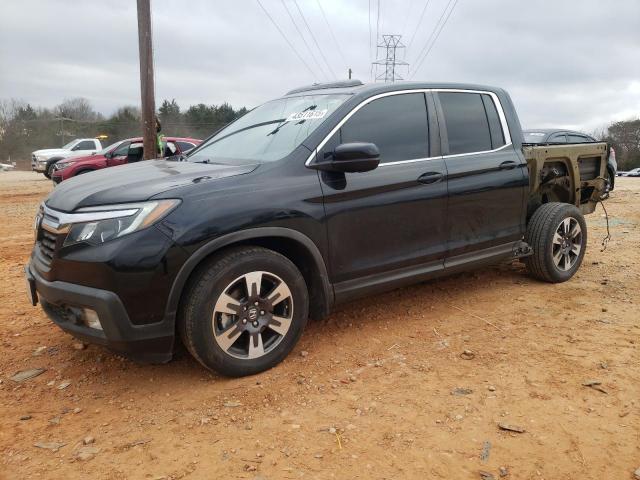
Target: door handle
x=430, y=177
x=508, y=165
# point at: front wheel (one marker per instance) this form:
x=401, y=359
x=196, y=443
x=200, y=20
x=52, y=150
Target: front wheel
x=244, y=311
x=557, y=233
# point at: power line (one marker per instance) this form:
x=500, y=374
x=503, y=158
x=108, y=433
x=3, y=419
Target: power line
x=435, y=38
x=419, y=22
x=378, y=23
x=303, y=39
x=406, y=20
x=313, y=37
x=286, y=39
x=344, y=60
x=370, y=42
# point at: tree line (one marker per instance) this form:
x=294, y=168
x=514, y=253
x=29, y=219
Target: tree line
x=624, y=137
x=25, y=128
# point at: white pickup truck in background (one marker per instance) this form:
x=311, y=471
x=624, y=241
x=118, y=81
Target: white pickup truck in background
x=75, y=148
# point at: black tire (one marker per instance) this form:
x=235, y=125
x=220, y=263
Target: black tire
x=554, y=258
x=201, y=325
x=48, y=171
x=83, y=172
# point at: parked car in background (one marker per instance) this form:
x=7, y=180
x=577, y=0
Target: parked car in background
x=331, y=192
x=41, y=160
x=634, y=172
x=119, y=153
x=550, y=136
x=6, y=167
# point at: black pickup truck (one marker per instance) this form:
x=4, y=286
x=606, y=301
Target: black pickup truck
x=329, y=193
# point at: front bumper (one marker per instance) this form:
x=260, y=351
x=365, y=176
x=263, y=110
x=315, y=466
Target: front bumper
x=151, y=343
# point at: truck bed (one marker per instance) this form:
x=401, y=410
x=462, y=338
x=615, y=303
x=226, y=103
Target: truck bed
x=571, y=173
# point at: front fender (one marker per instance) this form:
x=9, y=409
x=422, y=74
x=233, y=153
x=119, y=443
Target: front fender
x=242, y=236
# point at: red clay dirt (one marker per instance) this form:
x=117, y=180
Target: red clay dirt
x=382, y=389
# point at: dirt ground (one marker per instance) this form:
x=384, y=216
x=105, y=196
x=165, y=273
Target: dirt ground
x=379, y=390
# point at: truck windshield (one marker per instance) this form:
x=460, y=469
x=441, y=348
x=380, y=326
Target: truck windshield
x=269, y=132
x=69, y=145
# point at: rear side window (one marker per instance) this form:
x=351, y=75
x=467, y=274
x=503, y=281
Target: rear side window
x=466, y=122
x=577, y=139
x=558, y=138
x=397, y=124
x=495, y=127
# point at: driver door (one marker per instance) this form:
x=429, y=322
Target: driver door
x=388, y=224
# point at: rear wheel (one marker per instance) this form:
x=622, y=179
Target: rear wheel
x=557, y=233
x=243, y=312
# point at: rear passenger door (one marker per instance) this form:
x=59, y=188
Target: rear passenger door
x=486, y=179
x=389, y=221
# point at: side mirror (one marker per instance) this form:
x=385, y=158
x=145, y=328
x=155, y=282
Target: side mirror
x=352, y=157
x=108, y=155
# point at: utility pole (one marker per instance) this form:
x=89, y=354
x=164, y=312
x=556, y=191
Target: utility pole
x=350, y=72
x=391, y=44
x=146, y=80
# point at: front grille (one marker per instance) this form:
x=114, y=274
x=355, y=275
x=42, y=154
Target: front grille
x=47, y=245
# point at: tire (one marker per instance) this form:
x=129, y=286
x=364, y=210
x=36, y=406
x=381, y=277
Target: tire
x=48, y=169
x=236, y=330
x=82, y=172
x=557, y=233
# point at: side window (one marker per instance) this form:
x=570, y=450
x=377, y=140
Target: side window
x=185, y=146
x=495, y=127
x=85, y=145
x=558, y=138
x=466, y=122
x=169, y=149
x=135, y=152
x=122, y=150
x=577, y=139
x=397, y=124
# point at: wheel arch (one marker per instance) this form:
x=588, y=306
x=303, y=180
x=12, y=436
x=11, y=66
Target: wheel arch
x=297, y=247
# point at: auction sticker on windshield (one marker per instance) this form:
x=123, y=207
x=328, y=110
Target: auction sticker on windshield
x=307, y=115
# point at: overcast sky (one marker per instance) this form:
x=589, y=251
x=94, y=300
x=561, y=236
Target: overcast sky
x=569, y=63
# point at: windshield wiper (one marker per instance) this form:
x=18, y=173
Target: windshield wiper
x=208, y=162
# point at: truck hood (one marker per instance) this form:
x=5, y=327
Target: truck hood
x=135, y=183
x=48, y=152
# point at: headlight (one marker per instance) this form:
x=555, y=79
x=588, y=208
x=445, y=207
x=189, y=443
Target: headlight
x=96, y=225
x=61, y=165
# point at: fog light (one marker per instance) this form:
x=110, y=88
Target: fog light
x=91, y=319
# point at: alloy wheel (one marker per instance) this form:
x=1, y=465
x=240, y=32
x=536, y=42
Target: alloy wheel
x=252, y=315
x=567, y=244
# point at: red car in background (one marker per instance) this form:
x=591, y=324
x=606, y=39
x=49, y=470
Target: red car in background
x=119, y=153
